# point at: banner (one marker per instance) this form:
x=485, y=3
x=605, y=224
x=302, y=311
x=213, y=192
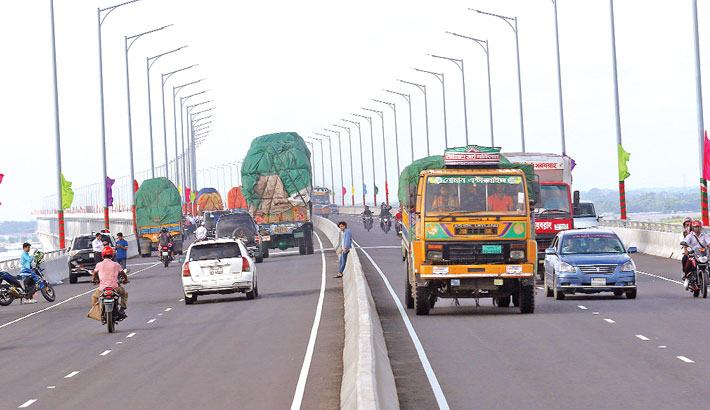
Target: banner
x=623, y=164
x=67, y=193
x=109, y=191
x=377, y=190
x=1, y=177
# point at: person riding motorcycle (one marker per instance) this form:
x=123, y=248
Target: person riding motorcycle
x=165, y=240
x=366, y=214
x=109, y=274
x=384, y=212
x=696, y=240
x=687, y=230
x=200, y=233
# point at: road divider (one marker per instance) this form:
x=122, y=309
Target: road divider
x=368, y=381
x=653, y=242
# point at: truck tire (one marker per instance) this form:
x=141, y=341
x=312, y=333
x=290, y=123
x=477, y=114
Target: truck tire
x=408, y=298
x=308, y=237
x=503, y=301
x=265, y=251
x=516, y=299
x=527, y=299
x=301, y=246
x=421, y=300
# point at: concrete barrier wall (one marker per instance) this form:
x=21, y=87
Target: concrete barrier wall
x=368, y=381
x=663, y=244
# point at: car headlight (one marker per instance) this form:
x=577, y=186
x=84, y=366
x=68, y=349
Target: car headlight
x=435, y=255
x=517, y=254
x=628, y=266
x=566, y=268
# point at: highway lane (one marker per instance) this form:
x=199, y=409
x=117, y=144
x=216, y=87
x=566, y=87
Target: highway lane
x=585, y=352
x=222, y=352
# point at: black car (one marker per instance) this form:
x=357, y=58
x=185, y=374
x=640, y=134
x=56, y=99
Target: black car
x=240, y=225
x=210, y=219
x=82, y=260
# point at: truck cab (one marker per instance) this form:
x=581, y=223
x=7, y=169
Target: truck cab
x=467, y=234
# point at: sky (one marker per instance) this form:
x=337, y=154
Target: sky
x=303, y=66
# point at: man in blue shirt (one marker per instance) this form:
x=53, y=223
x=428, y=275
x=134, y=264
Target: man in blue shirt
x=121, y=249
x=345, y=248
x=26, y=264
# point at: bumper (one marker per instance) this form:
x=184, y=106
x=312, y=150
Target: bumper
x=206, y=289
x=523, y=270
x=620, y=281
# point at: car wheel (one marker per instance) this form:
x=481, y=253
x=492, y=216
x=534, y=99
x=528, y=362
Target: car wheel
x=252, y=293
x=631, y=294
x=72, y=277
x=548, y=291
x=557, y=293
x=421, y=300
x=265, y=251
x=618, y=292
x=190, y=299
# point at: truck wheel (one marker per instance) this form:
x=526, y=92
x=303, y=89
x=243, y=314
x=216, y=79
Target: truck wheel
x=265, y=251
x=527, y=299
x=301, y=247
x=408, y=298
x=516, y=299
x=421, y=300
x=308, y=238
x=503, y=301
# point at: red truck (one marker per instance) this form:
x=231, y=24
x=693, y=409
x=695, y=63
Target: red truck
x=554, y=212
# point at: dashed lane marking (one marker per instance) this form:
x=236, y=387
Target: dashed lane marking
x=168, y=309
x=642, y=337
x=51, y=387
x=595, y=313
x=160, y=314
x=65, y=301
x=582, y=307
x=181, y=300
x=685, y=359
x=131, y=334
x=105, y=352
x=609, y=320
x=72, y=374
x=662, y=347
x=26, y=404
x=119, y=343
x=151, y=320
x=659, y=277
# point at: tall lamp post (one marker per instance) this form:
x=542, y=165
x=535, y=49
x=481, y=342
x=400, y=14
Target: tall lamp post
x=440, y=77
x=559, y=80
x=372, y=152
x=332, y=168
x=701, y=125
x=514, y=27
x=128, y=43
x=322, y=160
x=176, y=91
x=396, y=132
x=422, y=88
x=362, y=166
x=313, y=162
x=617, y=114
x=352, y=177
x=459, y=64
x=384, y=151
x=100, y=19
x=340, y=154
x=57, y=135
x=411, y=131
x=164, y=77
x=192, y=162
x=486, y=49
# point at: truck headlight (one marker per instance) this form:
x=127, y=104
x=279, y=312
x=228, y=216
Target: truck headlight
x=435, y=255
x=518, y=254
x=628, y=266
x=567, y=268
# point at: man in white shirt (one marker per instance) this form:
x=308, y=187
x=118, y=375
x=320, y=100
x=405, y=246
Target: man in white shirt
x=201, y=233
x=97, y=245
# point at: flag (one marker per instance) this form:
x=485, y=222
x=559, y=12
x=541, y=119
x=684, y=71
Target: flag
x=67, y=193
x=135, y=186
x=1, y=176
x=192, y=196
x=623, y=166
x=364, y=189
x=352, y=190
x=187, y=195
x=706, y=159
x=377, y=190
x=109, y=191
x=345, y=191
x=387, y=189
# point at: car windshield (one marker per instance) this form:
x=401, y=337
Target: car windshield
x=475, y=194
x=585, y=211
x=214, y=251
x=591, y=243
x=235, y=226
x=554, y=199
x=84, y=242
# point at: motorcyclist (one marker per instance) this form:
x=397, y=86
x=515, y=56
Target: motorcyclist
x=384, y=212
x=687, y=230
x=366, y=215
x=165, y=240
x=201, y=233
x=109, y=274
x=695, y=240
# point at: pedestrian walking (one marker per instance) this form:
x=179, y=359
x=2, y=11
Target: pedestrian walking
x=121, y=250
x=345, y=248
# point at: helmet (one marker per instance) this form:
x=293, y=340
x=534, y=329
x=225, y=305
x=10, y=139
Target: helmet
x=107, y=251
x=163, y=229
x=687, y=219
x=38, y=256
x=697, y=222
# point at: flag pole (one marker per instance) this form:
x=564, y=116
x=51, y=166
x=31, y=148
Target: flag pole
x=622, y=184
x=701, y=127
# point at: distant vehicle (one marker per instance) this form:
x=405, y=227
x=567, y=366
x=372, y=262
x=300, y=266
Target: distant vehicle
x=218, y=266
x=321, y=201
x=334, y=210
x=210, y=219
x=589, y=261
x=81, y=260
x=158, y=205
x=240, y=225
x=585, y=216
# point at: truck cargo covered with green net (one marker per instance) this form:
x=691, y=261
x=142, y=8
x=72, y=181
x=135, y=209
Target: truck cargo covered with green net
x=276, y=183
x=158, y=206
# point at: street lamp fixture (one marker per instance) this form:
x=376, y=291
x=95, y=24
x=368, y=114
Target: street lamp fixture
x=422, y=88
x=384, y=151
x=459, y=64
x=408, y=98
x=440, y=77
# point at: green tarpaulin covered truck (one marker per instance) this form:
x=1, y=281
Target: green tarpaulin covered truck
x=276, y=182
x=158, y=206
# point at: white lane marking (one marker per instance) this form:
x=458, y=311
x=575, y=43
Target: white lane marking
x=131, y=334
x=662, y=347
x=685, y=359
x=64, y=301
x=181, y=300
x=642, y=337
x=168, y=309
x=659, y=277
x=431, y=376
x=582, y=307
x=151, y=320
x=160, y=314
x=595, y=313
x=541, y=288
x=72, y=374
x=608, y=320
x=301, y=385
x=51, y=387
x=105, y=352
x=28, y=403
x=119, y=343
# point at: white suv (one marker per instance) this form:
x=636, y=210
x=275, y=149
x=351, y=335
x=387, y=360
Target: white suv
x=218, y=266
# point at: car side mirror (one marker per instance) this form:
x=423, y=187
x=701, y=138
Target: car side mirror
x=632, y=249
x=550, y=251
x=181, y=259
x=683, y=243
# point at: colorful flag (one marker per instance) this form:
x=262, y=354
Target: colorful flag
x=193, y=195
x=352, y=189
x=364, y=189
x=387, y=189
x=1, y=176
x=706, y=160
x=345, y=191
x=623, y=166
x=187, y=195
x=67, y=193
x=135, y=186
x=109, y=191
x=377, y=190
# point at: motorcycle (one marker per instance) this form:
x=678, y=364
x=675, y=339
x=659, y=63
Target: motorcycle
x=386, y=223
x=398, y=227
x=698, y=277
x=110, y=311
x=165, y=254
x=367, y=222
x=32, y=280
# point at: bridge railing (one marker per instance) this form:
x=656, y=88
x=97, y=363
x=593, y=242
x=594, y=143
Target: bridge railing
x=647, y=226
x=11, y=264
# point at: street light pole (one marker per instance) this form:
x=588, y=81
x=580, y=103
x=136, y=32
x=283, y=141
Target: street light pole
x=176, y=91
x=440, y=77
x=559, y=80
x=372, y=151
x=340, y=154
x=701, y=125
x=411, y=131
x=352, y=178
x=396, y=133
x=332, y=169
x=617, y=114
x=100, y=21
x=459, y=64
x=514, y=26
x=362, y=166
x=57, y=135
x=164, y=77
x=422, y=88
x=322, y=160
x=384, y=152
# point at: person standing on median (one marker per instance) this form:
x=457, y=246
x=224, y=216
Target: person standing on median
x=345, y=248
x=121, y=250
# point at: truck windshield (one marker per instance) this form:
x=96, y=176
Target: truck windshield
x=586, y=210
x=321, y=199
x=554, y=200
x=475, y=194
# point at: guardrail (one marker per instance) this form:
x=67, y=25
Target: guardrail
x=10, y=264
x=647, y=226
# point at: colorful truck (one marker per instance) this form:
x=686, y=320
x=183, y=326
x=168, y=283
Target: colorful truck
x=321, y=201
x=276, y=182
x=467, y=229
x=158, y=206
x=554, y=212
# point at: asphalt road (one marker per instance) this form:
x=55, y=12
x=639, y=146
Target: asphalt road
x=223, y=352
x=584, y=352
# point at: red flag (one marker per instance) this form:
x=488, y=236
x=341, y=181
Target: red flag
x=345, y=191
x=187, y=195
x=706, y=162
x=135, y=186
x=387, y=188
x=2, y=175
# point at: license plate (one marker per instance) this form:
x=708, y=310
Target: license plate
x=266, y=238
x=514, y=269
x=91, y=255
x=598, y=281
x=455, y=282
x=165, y=254
x=491, y=249
x=440, y=270
x=498, y=282
x=215, y=271
x=298, y=234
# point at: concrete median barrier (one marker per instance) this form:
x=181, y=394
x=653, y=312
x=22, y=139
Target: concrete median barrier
x=648, y=239
x=368, y=381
